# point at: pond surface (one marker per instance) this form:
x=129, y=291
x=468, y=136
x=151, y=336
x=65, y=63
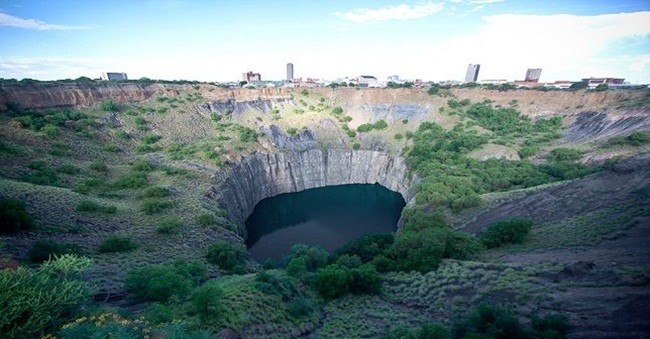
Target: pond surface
x=329, y=217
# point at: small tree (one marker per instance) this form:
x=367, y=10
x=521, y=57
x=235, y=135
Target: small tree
x=13, y=216
x=506, y=231
x=226, y=255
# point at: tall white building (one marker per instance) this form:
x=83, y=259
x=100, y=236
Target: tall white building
x=472, y=72
x=289, y=72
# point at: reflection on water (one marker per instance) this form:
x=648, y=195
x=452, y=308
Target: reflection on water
x=328, y=216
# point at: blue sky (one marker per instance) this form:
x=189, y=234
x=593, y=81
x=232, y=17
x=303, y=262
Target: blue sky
x=430, y=40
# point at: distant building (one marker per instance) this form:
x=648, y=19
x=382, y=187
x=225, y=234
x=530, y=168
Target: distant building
x=533, y=75
x=366, y=80
x=289, y=72
x=251, y=77
x=492, y=81
x=472, y=72
x=113, y=76
x=611, y=82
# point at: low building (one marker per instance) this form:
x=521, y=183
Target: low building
x=251, y=77
x=611, y=82
x=493, y=82
x=113, y=76
x=366, y=80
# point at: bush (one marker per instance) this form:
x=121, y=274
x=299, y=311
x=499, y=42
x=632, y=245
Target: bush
x=418, y=251
x=506, y=231
x=292, y=131
x=157, y=192
x=337, y=110
x=44, y=250
x=162, y=281
x=528, y=151
x=399, y=136
x=88, y=206
x=228, y=256
x=13, y=216
x=36, y=300
x=356, y=146
x=565, y=154
x=206, y=219
x=98, y=166
x=155, y=206
x=303, y=259
x=336, y=280
x=301, y=307
x=461, y=246
x=491, y=321
x=132, y=180
x=143, y=165
x=150, y=139
x=367, y=247
x=551, y=326
x=207, y=301
x=247, y=135
x=169, y=226
x=117, y=243
x=365, y=128
x=109, y=106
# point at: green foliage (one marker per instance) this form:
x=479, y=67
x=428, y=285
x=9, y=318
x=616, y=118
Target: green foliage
x=44, y=250
x=367, y=247
x=155, y=206
x=50, y=121
x=578, y=85
x=169, y=225
x=461, y=246
x=399, y=136
x=303, y=260
x=206, y=219
x=292, y=131
x=89, y=206
x=162, y=281
x=109, y=106
x=143, y=165
x=351, y=133
x=492, y=322
x=426, y=331
x=302, y=307
x=337, y=110
x=116, y=244
x=418, y=251
x=356, y=146
x=364, y=128
x=528, y=151
x=434, y=89
x=132, y=180
x=551, y=326
x=635, y=139
x=13, y=216
x=36, y=300
x=207, y=302
x=565, y=154
x=246, y=134
x=601, y=87
x=150, y=138
x=157, y=192
x=506, y=231
x=98, y=166
x=500, y=120
x=68, y=169
x=228, y=256
x=337, y=280
x=379, y=125
x=42, y=174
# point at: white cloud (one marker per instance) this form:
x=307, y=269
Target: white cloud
x=398, y=12
x=484, y=2
x=53, y=68
x=12, y=21
x=565, y=46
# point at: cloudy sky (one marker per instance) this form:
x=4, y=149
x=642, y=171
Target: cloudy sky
x=430, y=40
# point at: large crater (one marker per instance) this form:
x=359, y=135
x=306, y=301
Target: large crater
x=258, y=176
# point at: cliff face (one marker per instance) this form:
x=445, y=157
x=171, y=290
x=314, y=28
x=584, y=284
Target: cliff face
x=259, y=176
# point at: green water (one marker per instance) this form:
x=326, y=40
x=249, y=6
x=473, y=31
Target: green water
x=329, y=217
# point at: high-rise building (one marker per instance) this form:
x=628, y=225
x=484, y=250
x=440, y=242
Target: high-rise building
x=289, y=72
x=472, y=72
x=533, y=74
x=113, y=76
x=251, y=77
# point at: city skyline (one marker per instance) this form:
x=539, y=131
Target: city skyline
x=430, y=40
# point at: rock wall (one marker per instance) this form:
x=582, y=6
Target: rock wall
x=259, y=176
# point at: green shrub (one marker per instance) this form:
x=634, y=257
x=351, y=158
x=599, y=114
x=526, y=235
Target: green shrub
x=150, y=138
x=206, y=219
x=334, y=281
x=418, y=251
x=491, y=321
x=337, y=110
x=247, y=135
x=116, y=244
x=278, y=283
x=37, y=300
x=51, y=130
x=132, y=180
x=303, y=258
x=42, y=174
x=111, y=148
x=566, y=154
x=506, y=231
x=368, y=247
x=292, y=130
x=13, y=216
x=426, y=331
x=143, y=165
x=351, y=133
x=169, y=226
x=228, y=256
x=551, y=326
x=109, y=106
x=68, y=169
x=207, y=302
x=461, y=246
x=44, y=250
x=365, y=128
x=98, y=166
x=302, y=307
x=634, y=139
x=162, y=281
x=157, y=192
x=399, y=136
x=528, y=151
x=155, y=206
x=122, y=135
x=356, y=146
x=89, y=206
